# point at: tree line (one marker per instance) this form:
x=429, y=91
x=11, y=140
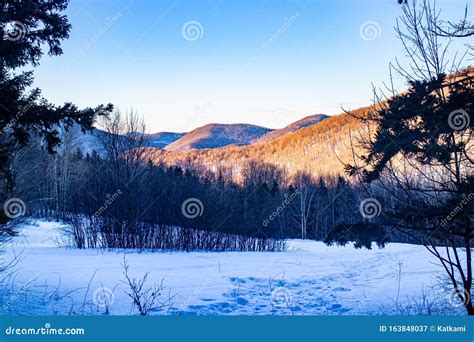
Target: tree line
x=118, y=183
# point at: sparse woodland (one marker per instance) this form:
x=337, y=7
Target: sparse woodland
x=267, y=203
x=409, y=157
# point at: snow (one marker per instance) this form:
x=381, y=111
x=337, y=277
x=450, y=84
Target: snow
x=310, y=278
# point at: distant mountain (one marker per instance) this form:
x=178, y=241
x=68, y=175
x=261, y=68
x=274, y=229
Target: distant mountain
x=218, y=135
x=320, y=148
x=162, y=139
x=305, y=122
x=73, y=139
x=316, y=144
x=92, y=141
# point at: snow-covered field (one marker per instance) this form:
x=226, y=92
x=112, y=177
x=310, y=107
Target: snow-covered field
x=310, y=278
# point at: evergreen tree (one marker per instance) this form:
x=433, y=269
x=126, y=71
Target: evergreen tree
x=419, y=152
x=29, y=26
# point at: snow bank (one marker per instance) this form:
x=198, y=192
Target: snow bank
x=310, y=278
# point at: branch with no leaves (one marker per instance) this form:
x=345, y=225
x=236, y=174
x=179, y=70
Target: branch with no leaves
x=145, y=299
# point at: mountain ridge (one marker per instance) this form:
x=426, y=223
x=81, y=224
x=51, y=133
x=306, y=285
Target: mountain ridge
x=162, y=139
x=218, y=135
x=321, y=148
x=294, y=126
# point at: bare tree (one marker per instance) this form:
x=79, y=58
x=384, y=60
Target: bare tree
x=145, y=299
x=123, y=139
x=303, y=211
x=418, y=149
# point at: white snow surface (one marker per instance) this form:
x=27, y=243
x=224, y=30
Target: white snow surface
x=310, y=278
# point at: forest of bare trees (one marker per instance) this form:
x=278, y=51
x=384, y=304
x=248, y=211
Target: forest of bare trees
x=121, y=185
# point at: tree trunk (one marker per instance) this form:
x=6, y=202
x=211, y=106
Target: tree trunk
x=468, y=305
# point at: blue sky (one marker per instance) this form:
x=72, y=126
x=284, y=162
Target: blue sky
x=262, y=62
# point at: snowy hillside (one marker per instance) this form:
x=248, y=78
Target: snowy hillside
x=91, y=141
x=75, y=139
x=309, y=279
x=162, y=139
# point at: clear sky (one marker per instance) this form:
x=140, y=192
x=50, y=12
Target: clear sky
x=182, y=64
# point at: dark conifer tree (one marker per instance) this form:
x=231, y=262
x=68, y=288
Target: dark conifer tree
x=27, y=27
